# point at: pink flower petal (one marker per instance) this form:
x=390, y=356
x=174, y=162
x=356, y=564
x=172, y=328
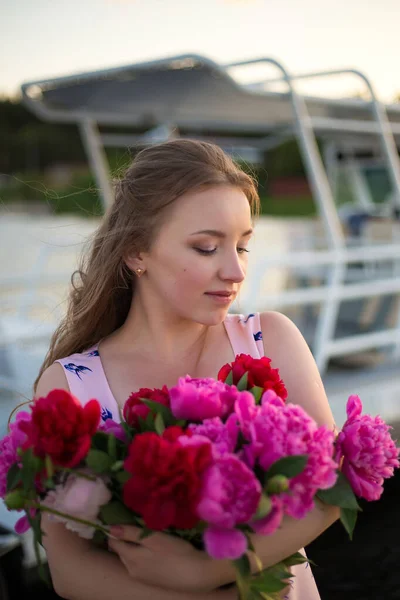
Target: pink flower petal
x=225, y=543
x=354, y=407
x=269, y=524
x=22, y=525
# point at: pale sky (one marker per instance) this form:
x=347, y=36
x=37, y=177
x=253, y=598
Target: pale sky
x=51, y=38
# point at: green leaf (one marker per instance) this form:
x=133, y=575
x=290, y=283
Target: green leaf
x=13, y=477
x=159, y=424
x=290, y=466
x=295, y=559
x=229, y=378
x=269, y=582
x=116, y=513
x=31, y=462
x=117, y=466
x=348, y=518
x=112, y=446
x=242, y=566
x=243, y=382
x=100, y=441
x=149, y=421
x=158, y=408
x=122, y=477
x=341, y=494
x=257, y=393
x=264, y=507
x=98, y=461
x=273, y=579
x=28, y=470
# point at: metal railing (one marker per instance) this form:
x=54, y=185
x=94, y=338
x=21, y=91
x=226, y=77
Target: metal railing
x=331, y=293
x=334, y=260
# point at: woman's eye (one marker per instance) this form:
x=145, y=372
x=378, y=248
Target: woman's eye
x=213, y=251
x=205, y=252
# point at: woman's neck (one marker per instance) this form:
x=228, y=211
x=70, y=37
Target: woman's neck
x=159, y=337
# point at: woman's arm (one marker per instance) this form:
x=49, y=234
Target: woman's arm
x=82, y=571
x=292, y=535
x=289, y=352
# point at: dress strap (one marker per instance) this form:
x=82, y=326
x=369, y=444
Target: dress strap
x=86, y=380
x=245, y=334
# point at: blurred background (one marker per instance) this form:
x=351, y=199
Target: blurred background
x=306, y=97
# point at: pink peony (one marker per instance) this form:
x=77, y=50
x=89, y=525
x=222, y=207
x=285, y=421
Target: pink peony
x=228, y=544
x=230, y=493
x=246, y=411
x=368, y=452
x=223, y=436
x=281, y=430
x=81, y=498
x=200, y=399
x=116, y=429
x=8, y=448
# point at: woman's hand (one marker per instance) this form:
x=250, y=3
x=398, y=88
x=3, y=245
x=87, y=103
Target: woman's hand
x=164, y=560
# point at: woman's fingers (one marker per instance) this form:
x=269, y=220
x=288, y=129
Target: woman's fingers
x=127, y=533
x=129, y=552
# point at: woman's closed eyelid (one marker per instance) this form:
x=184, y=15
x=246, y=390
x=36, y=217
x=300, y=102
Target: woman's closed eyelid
x=213, y=250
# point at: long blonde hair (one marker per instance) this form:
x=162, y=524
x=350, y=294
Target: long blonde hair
x=102, y=287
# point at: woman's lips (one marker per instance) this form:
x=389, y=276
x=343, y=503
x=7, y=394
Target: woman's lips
x=221, y=297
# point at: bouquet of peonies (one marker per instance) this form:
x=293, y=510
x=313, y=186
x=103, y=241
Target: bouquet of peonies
x=210, y=461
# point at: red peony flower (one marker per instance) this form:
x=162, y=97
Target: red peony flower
x=260, y=374
x=166, y=480
x=171, y=434
x=62, y=428
x=135, y=408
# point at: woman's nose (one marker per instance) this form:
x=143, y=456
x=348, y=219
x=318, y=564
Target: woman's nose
x=233, y=270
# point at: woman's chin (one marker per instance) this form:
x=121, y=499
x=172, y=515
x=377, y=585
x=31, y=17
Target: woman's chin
x=213, y=317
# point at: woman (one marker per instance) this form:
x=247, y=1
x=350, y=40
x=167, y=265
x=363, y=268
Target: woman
x=151, y=306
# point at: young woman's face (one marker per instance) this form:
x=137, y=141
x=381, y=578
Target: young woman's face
x=198, y=261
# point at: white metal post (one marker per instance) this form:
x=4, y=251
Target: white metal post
x=329, y=313
x=97, y=159
x=331, y=166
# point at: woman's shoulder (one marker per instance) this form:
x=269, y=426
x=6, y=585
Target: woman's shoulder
x=276, y=321
x=268, y=325
x=52, y=378
x=57, y=375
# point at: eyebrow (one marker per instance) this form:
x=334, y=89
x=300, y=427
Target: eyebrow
x=219, y=234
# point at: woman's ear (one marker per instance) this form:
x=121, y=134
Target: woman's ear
x=135, y=263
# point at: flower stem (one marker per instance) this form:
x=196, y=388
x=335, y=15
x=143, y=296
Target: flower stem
x=53, y=511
